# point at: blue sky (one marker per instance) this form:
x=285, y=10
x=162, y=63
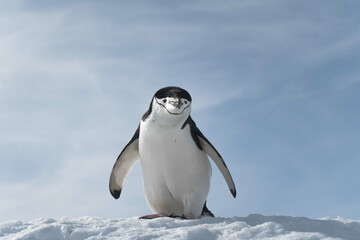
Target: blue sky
x=275, y=87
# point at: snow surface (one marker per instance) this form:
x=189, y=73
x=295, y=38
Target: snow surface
x=251, y=227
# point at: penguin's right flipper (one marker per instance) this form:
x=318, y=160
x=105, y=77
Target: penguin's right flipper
x=124, y=163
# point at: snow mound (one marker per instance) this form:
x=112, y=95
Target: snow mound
x=251, y=227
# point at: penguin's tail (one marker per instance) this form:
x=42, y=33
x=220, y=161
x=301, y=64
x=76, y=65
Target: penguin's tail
x=206, y=212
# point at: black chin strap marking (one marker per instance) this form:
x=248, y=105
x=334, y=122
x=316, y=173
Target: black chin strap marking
x=171, y=112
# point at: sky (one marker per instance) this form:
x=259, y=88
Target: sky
x=275, y=87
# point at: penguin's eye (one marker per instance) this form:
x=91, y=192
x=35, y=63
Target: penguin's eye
x=185, y=102
x=164, y=100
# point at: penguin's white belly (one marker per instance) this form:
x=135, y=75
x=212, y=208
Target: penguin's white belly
x=176, y=174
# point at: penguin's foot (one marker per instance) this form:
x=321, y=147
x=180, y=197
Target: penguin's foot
x=176, y=216
x=152, y=216
x=158, y=215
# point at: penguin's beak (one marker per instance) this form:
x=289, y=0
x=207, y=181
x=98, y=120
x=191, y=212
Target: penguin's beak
x=175, y=102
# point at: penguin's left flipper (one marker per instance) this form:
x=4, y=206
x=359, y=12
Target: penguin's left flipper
x=220, y=163
x=204, y=144
x=124, y=163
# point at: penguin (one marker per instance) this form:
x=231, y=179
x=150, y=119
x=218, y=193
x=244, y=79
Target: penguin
x=173, y=153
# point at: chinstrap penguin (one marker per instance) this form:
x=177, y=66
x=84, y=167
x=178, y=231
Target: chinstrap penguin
x=174, y=158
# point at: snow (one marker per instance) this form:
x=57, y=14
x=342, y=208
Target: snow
x=251, y=227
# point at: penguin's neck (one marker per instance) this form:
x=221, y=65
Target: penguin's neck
x=165, y=122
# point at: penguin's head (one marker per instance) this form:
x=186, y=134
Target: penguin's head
x=170, y=105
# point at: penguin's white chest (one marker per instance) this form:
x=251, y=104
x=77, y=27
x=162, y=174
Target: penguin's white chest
x=176, y=173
